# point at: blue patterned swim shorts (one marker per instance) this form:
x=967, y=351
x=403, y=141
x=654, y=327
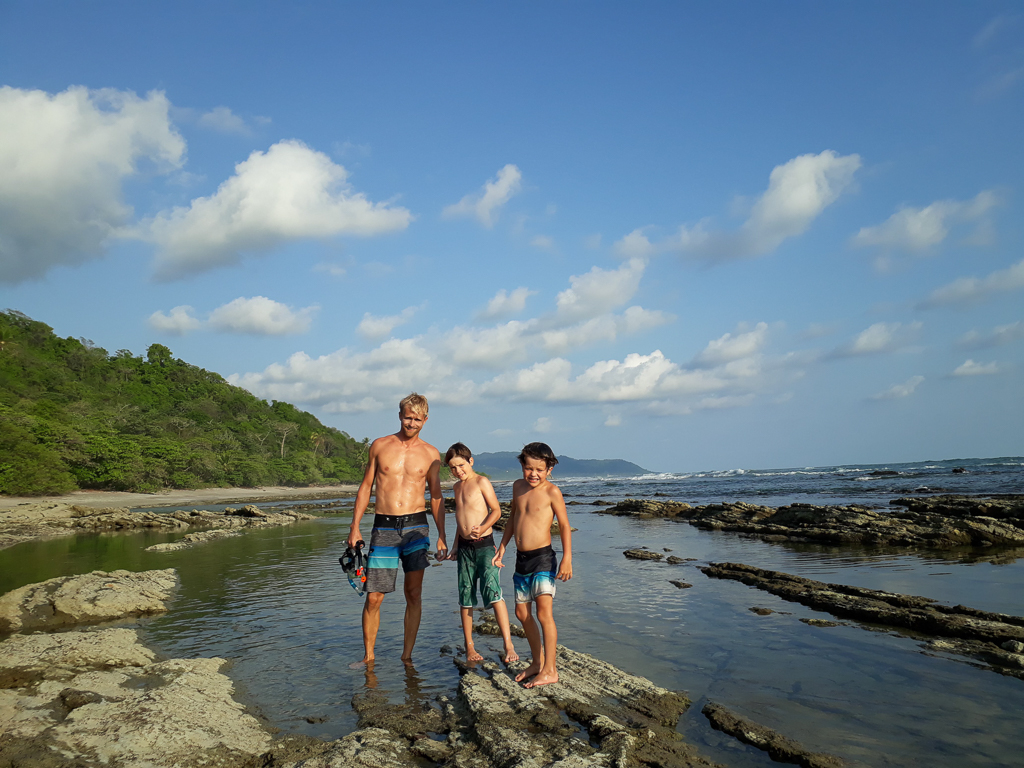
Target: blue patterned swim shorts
x=535, y=574
x=394, y=539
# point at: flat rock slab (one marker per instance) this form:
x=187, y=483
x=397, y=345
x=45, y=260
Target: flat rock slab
x=90, y=598
x=780, y=748
x=99, y=697
x=982, y=635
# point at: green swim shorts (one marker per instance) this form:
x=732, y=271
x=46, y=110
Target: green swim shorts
x=476, y=571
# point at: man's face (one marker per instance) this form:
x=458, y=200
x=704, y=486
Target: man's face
x=535, y=471
x=412, y=422
x=460, y=467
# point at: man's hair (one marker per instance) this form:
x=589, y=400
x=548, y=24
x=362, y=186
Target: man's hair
x=460, y=450
x=417, y=404
x=538, y=451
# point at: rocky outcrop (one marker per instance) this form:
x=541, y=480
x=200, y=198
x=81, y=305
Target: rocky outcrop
x=990, y=638
x=94, y=597
x=43, y=520
x=780, y=748
x=101, y=698
x=643, y=554
x=934, y=522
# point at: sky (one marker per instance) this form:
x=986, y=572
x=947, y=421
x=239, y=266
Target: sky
x=696, y=236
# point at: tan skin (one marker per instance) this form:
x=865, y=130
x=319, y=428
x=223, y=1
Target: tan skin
x=536, y=501
x=476, y=510
x=401, y=466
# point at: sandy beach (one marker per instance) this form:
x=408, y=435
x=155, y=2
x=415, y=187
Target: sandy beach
x=178, y=498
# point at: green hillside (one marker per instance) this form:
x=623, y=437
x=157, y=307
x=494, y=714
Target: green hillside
x=73, y=416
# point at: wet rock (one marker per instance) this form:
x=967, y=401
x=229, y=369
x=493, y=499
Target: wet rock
x=643, y=554
x=958, y=629
x=488, y=625
x=191, y=539
x=761, y=611
x=680, y=584
x=821, y=623
x=779, y=748
x=673, y=560
x=1013, y=646
x=93, y=597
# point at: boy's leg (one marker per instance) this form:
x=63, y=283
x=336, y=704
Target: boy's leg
x=467, y=631
x=501, y=615
x=524, y=613
x=413, y=609
x=549, y=672
x=371, y=623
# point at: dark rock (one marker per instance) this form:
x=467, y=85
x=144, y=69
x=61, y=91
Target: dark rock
x=821, y=623
x=959, y=471
x=643, y=554
x=776, y=745
x=680, y=584
x=761, y=611
x=673, y=560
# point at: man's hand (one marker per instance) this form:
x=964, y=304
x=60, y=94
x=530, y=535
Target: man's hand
x=353, y=537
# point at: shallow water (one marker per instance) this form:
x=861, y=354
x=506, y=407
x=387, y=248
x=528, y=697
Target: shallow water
x=275, y=602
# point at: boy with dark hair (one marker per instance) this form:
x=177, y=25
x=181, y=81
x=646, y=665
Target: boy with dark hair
x=536, y=502
x=476, y=511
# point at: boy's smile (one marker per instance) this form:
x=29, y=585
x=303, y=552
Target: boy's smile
x=535, y=471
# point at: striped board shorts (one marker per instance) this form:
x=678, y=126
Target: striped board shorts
x=394, y=539
x=535, y=574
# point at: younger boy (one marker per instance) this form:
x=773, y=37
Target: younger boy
x=476, y=510
x=536, y=501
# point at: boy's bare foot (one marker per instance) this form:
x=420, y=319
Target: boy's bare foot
x=472, y=655
x=510, y=655
x=546, y=678
x=362, y=663
x=530, y=671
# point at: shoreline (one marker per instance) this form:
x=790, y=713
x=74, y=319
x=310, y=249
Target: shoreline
x=172, y=498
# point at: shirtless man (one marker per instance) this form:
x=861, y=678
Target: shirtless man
x=402, y=466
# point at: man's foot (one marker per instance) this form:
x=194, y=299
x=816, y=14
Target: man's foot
x=472, y=655
x=530, y=671
x=545, y=678
x=510, y=655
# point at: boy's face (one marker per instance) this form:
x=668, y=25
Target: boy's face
x=412, y=422
x=535, y=471
x=460, y=467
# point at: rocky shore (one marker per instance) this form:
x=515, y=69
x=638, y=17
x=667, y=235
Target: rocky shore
x=941, y=522
x=992, y=640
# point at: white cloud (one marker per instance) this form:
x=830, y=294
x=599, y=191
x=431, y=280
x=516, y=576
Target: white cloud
x=973, y=290
x=728, y=347
x=373, y=327
x=290, y=192
x=178, y=321
x=918, y=229
x=261, y=316
x=599, y=291
x=485, y=204
x=496, y=347
x=897, y=391
x=63, y=159
x=604, y=328
x=971, y=368
x=727, y=401
x=879, y=338
x=223, y=120
x=543, y=242
x=505, y=304
x=798, y=191
x=1001, y=334
x=613, y=420
x=542, y=425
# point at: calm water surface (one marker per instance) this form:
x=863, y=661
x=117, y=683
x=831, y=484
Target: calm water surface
x=276, y=604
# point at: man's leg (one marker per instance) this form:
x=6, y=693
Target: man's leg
x=413, y=609
x=371, y=623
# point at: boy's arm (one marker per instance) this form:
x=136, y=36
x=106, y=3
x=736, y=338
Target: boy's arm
x=493, y=507
x=565, y=531
x=363, y=496
x=506, y=535
x=437, y=504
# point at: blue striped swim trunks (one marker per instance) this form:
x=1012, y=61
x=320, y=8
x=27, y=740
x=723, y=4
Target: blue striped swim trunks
x=535, y=574
x=394, y=539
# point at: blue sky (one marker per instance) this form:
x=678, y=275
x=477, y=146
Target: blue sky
x=692, y=235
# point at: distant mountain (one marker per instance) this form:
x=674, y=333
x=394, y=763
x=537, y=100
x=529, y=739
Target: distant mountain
x=504, y=465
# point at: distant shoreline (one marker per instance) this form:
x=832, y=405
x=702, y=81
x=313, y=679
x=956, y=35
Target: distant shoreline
x=178, y=498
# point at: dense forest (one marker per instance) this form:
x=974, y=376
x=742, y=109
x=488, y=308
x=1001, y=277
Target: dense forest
x=73, y=416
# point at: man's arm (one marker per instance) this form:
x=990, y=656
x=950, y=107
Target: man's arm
x=363, y=495
x=565, y=531
x=437, y=504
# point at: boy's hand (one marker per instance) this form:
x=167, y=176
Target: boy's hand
x=453, y=553
x=565, y=570
x=474, y=532
x=496, y=560
x=442, y=551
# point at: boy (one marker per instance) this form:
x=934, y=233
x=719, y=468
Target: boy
x=476, y=510
x=535, y=502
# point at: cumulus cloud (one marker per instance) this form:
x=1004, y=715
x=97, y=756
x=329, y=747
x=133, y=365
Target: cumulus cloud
x=63, y=159
x=177, y=322
x=798, y=191
x=918, y=229
x=600, y=291
x=373, y=327
x=971, y=368
x=223, y=120
x=613, y=420
x=505, y=304
x=729, y=347
x=486, y=203
x=495, y=347
x=262, y=317
x=1001, y=334
x=542, y=425
x=966, y=291
x=897, y=391
x=290, y=192
x=879, y=338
